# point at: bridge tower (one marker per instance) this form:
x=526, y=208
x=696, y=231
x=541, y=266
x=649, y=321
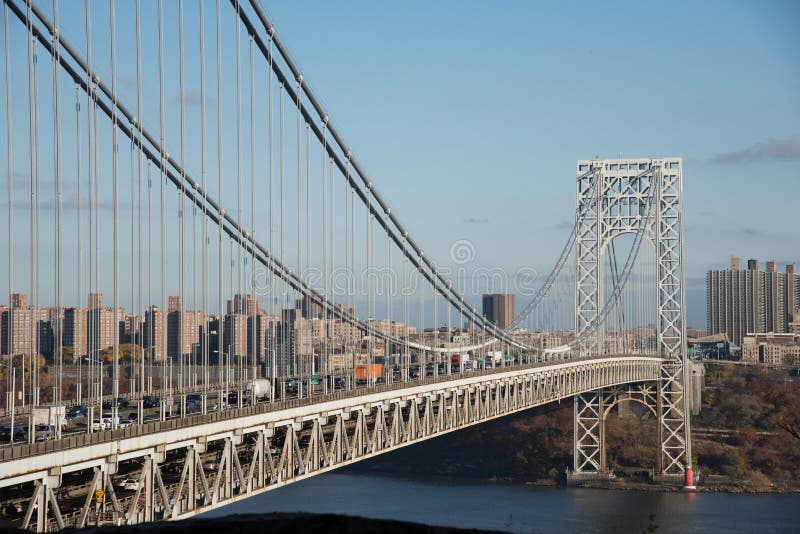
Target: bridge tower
x=642, y=197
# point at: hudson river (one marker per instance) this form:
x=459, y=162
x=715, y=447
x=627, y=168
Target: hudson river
x=519, y=508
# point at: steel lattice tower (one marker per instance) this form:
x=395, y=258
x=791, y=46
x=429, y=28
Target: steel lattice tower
x=641, y=197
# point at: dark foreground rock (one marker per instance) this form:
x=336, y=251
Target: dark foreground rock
x=273, y=523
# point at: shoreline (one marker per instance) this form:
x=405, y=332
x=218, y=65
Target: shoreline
x=618, y=484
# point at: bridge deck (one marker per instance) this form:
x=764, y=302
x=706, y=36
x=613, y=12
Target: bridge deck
x=30, y=461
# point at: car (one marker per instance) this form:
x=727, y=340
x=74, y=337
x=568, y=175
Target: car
x=124, y=423
x=218, y=407
x=5, y=432
x=127, y=484
x=44, y=432
x=120, y=402
x=151, y=401
x=72, y=416
x=99, y=425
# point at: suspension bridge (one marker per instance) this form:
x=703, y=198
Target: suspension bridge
x=281, y=320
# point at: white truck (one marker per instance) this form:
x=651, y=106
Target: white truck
x=260, y=388
x=50, y=416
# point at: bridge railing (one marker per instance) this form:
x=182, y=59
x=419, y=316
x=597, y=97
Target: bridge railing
x=81, y=440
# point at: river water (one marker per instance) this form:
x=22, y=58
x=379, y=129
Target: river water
x=518, y=508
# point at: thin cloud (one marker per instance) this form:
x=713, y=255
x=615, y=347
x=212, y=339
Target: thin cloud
x=751, y=232
x=564, y=225
x=190, y=97
x=771, y=150
x=476, y=220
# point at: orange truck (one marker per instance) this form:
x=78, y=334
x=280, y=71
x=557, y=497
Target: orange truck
x=369, y=371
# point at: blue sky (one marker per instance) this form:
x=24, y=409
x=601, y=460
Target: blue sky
x=472, y=114
x=469, y=116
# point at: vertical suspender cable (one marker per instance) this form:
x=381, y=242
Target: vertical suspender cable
x=273, y=330
x=421, y=356
x=405, y=288
x=152, y=316
x=347, y=270
x=96, y=248
x=370, y=292
x=308, y=199
x=139, y=180
x=328, y=323
x=299, y=189
x=34, y=213
x=389, y=274
x=134, y=341
x=238, y=301
x=90, y=170
x=134, y=338
x=280, y=215
x=324, y=232
x=80, y=313
x=221, y=320
x=194, y=324
x=57, y=200
x=10, y=169
x=115, y=157
x=204, y=310
x=194, y=317
x=436, y=355
x=354, y=333
x=181, y=210
x=253, y=349
x=349, y=267
x=162, y=181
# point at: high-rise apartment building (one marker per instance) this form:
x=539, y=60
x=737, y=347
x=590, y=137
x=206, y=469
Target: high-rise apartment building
x=29, y=328
x=133, y=329
x=792, y=293
x=295, y=345
x=103, y=323
x=154, y=337
x=234, y=334
x=499, y=308
x=75, y=331
x=741, y=302
x=309, y=308
x=183, y=329
x=243, y=304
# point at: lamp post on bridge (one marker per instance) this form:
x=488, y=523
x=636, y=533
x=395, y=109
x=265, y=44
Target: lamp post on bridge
x=90, y=411
x=12, y=393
